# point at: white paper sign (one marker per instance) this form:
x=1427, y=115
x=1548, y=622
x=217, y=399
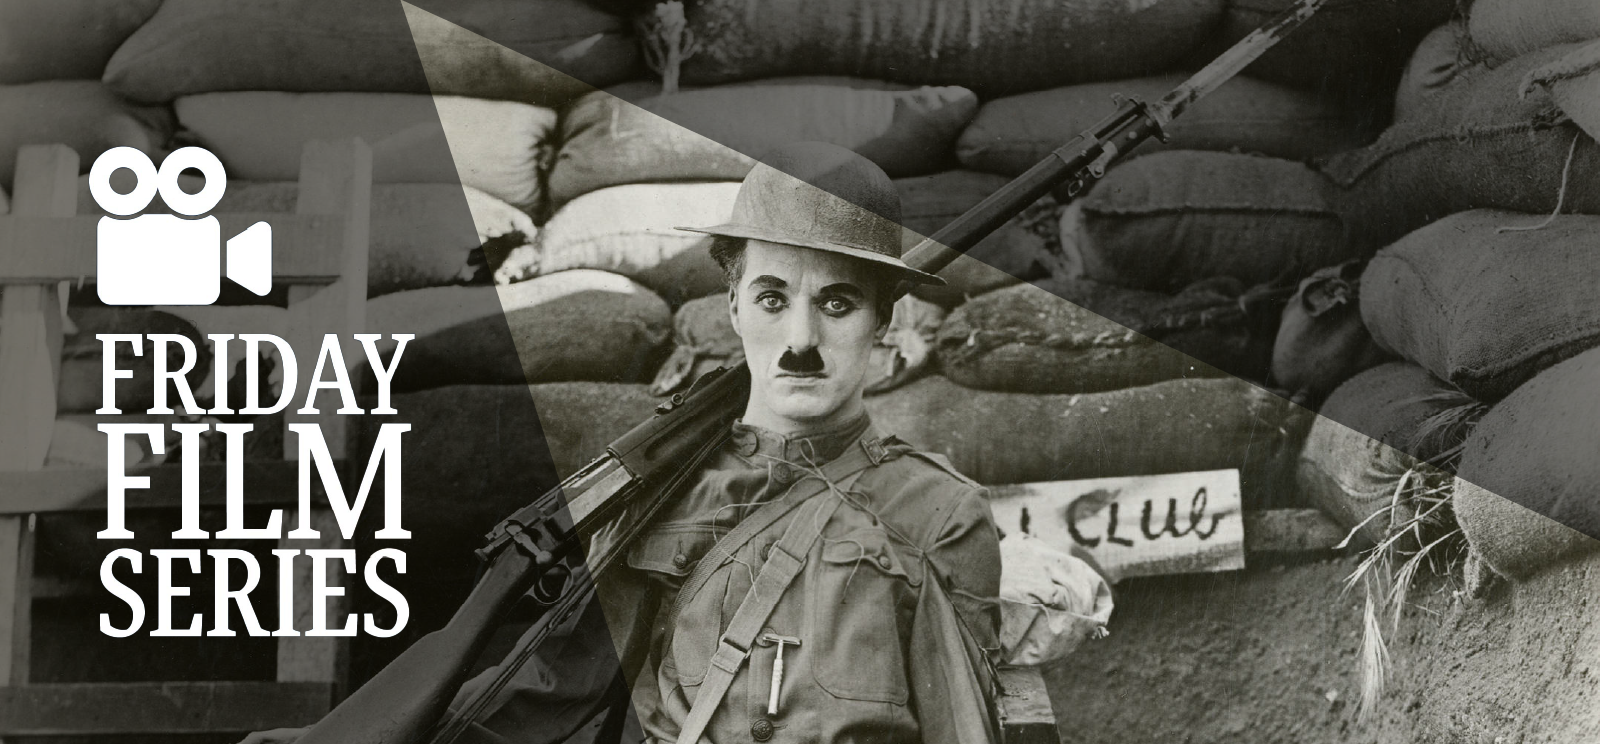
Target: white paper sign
x=1134, y=526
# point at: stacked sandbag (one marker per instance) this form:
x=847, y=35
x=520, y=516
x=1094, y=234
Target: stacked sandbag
x=1321, y=339
x=618, y=137
x=81, y=385
x=1384, y=432
x=1350, y=47
x=1175, y=426
x=1506, y=29
x=1023, y=248
x=629, y=230
x=1525, y=495
x=992, y=48
x=1574, y=82
x=1164, y=221
x=65, y=39
x=1078, y=336
x=544, y=52
x=83, y=115
x=423, y=234
x=570, y=325
x=1473, y=142
x=1484, y=308
x=495, y=146
x=1011, y=135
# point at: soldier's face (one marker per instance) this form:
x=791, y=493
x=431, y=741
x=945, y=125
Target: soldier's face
x=808, y=320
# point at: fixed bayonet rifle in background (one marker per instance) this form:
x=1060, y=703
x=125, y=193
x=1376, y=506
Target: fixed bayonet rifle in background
x=577, y=530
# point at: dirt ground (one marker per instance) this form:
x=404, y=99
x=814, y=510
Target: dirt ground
x=1270, y=655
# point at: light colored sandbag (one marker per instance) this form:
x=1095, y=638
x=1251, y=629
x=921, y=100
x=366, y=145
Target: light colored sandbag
x=628, y=230
x=423, y=234
x=992, y=48
x=1474, y=143
x=1011, y=135
x=1506, y=29
x=1487, y=310
x=1574, y=83
x=717, y=134
x=1526, y=495
x=495, y=146
x=1177, y=426
x=1378, y=432
x=1030, y=339
x=571, y=325
x=65, y=39
x=204, y=46
x=1165, y=221
x=1050, y=602
x=80, y=114
x=1021, y=249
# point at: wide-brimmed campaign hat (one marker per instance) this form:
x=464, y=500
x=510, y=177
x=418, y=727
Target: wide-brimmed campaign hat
x=821, y=196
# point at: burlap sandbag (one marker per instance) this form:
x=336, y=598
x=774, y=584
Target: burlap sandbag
x=65, y=39
x=572, y=325
x=1321, y=340
x=1440, y=56
x=628, y=230
x=1167, y=220
x=1011, y=135
x=1526, y=494
x=717, y=134
x=1474, y=143
x=495, y=146
x=1506, y=29
x=1022, y=249
x=80, y=114
x=1574, y=83
x=992, y=48
x=81, y=385
x=1030, y=339
x=423, y=234
x=1487, y=310
x=1351, y=47
x=1376, y=433
x=1176, y=426
x=204, y=46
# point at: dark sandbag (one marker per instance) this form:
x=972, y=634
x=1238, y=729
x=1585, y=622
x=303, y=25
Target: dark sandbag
x=423, y=234
x=1474, y=143
x=1321, y=340
x=1050, y=339
x=81, y=387
x=495, y=146
x=992, y=48
x=1484, y=309
x=573, y=325
x=1384, y=430
x=1350, y=47
x=1506, y=29
x=1165, y=221
x=65, y=39
x=717, y=134
x=1440, y=56
x=628, y=230
x=204, y=46
x=703, y=339
x=82, y=115
x=1526, y=494
x=1022, y=249
x=1175, y=426
x=1013, y=134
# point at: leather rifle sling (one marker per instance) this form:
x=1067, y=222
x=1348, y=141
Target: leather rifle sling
x=782, y=566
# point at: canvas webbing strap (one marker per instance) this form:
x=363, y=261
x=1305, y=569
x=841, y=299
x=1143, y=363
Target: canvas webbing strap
x=782, y=566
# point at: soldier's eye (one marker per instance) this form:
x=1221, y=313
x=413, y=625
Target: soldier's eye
x=837, y=306
x=771, y=302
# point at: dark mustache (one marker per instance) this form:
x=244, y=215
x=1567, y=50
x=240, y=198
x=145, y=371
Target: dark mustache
x=803, y=363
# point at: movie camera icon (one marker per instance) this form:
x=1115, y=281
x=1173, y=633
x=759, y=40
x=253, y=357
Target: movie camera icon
x=167, y=259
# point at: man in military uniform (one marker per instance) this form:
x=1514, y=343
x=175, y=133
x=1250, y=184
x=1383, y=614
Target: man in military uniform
x=821, y=581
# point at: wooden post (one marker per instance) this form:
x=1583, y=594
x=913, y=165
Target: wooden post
x=335, y=178
x=30, y=363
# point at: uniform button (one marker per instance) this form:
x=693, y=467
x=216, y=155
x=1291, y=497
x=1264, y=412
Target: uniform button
x=883, y=561
x=680, y=560
x=761, y=730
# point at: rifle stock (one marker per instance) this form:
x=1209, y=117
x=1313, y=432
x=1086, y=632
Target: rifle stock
x=602, y=504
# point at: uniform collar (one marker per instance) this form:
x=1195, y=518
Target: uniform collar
x=757, y=444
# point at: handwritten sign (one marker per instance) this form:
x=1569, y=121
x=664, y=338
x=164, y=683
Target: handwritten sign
x=1134, y=526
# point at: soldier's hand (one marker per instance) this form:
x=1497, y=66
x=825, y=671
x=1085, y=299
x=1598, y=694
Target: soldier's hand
x=276, y=736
